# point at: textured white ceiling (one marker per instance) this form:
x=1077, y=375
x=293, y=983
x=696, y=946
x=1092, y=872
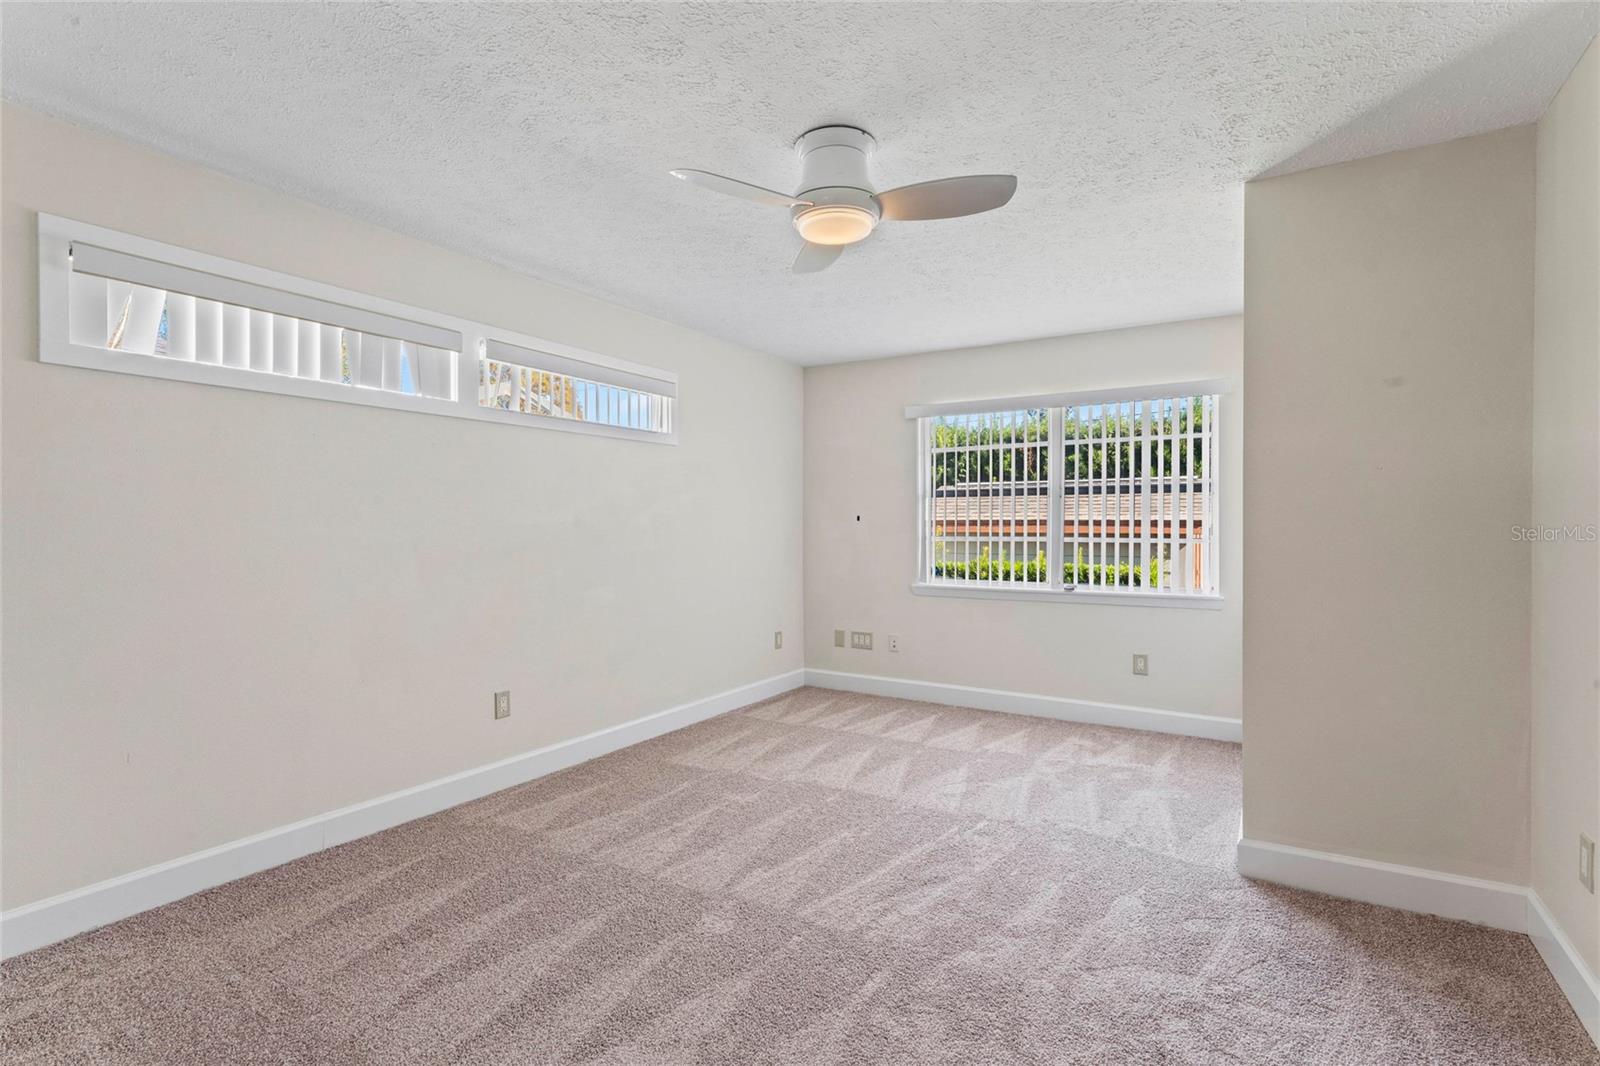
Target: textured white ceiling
x=539, y=136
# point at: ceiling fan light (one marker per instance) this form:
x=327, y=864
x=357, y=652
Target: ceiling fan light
x=835, y=224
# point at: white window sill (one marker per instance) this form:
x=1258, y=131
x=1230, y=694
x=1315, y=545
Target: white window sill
x=1181, y=600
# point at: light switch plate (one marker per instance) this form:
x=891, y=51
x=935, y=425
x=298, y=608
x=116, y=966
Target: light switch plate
x=860, y=640
x=1586, y=861
x=838, y=638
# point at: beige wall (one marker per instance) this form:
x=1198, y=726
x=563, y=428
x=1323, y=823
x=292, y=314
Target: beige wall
x=226, y=611
x=861, y=460
x=1388, y=359
x=1566, y=493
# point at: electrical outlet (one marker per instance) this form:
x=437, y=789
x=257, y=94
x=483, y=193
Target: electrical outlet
x=860, y=641
x=1141, y=665
x=777, y=639
x=502, y=704
x=838, y=638
x=1586, y=861
x=894, y=642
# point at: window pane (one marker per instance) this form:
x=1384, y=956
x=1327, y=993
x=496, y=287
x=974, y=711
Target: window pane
x=125, y=317
x=1136, y=491
x=535, y=391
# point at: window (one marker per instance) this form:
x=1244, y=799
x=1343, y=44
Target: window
x=114, y=301
x=138, y=306
x=1094, y=495
x=514, y=378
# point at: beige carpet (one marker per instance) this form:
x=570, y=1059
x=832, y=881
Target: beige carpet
x=821, y=878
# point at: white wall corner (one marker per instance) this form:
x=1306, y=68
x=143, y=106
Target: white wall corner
x=1566, y=965
x=1407, y=888
x=47, y=921
x=1060, y=708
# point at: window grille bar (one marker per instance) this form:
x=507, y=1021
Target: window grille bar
x=1192, y=431
x=1098, y=492
x=1012, y=530
x=1127, y=490
x=992, y=488
x=1055, y=471
x=1213, y=534
x=1181, y=424
x=1087, y=487
x=996, y=491
x=1180, y=499
x=1003, y=529
x=1114, y=503
x=1168, y=496
x=1099, y=528
x=1144, y=496
x=1083, y=489
x=1008, y=498
x=1110, y=466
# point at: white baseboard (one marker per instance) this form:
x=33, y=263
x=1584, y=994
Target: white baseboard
x=47, y=921
x=1566, y=965
x=1058, y=707
x=1407, y=888
x=1411, y=888
x=1491, y=903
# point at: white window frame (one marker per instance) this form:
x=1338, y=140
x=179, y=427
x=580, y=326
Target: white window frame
x=920, y=416
x=57, y=234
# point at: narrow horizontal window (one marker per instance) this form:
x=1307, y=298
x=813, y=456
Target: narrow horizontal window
x=115, y=301
x=514, y=378
x=1107, y=496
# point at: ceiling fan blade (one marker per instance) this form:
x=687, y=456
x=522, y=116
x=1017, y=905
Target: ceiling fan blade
x=743, y=189
x=815, y=257
x=948, y=197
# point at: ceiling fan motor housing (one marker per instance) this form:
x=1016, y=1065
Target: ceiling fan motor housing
x=834, y=156
x=834, y=178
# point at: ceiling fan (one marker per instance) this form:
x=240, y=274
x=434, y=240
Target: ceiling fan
x=836, y=205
